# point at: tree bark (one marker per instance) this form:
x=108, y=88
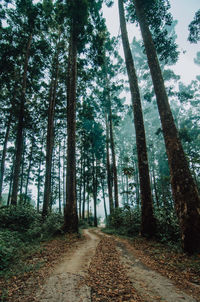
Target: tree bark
x=19, y=137
x=39, y=175
x=70, y=216
x=148, y=225
x=4, y=155
x=110, y=196
x=29, y=170
x=50, y=135
x=112, y=144
x=94, y=177
x=59, y=180
x=185, y=193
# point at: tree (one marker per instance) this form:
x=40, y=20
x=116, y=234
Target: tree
x=148, y=226
x=78, y=17
x=185, y=194
x=194, y=28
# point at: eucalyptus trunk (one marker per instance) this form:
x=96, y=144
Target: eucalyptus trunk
x=70, y=215
x=50, y=136
x=185, y=193
x=112, y=145
x=39, y=175
x=29, y=170
x=2, y=168
x=94, y=178
x=148, y=225
x=20, y=127
x=109, y=176
x=59, y=180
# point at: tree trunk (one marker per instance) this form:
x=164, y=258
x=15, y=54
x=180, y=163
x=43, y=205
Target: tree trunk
x=10, y=186
x=112, y=144
x=4, y=155
x=22, y=168
x=94, y=177
x=19, y=138
x=185, y=194
x=29, y=170
x=84, y=187
x=148, y=225
x=104, y=199
x=80, y=185
x=39, y=176
x=59, y=180
x=70, y=216
x=64, y=182
x=108, y=169
x=50, y=136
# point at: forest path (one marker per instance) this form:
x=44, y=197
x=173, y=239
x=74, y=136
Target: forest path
x=115, y=274
x=66, y=281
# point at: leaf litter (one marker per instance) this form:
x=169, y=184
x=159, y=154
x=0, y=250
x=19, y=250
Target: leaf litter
x=107, y=276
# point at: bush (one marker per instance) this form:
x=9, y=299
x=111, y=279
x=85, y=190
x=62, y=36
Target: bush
x=126, y=221
x=18, y=218
x=10, y=242
x=52, y=224
x=21, y=229
x=167, y=225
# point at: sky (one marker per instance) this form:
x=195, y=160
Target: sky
x=183, y=11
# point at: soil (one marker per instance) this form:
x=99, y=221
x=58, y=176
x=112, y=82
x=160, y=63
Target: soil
x=102, y=268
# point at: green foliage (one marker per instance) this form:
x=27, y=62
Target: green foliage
x=126, y=221
x=21, y=230
x=167, y=225
x=9, y=244
x=194, y=28
x=18, y=218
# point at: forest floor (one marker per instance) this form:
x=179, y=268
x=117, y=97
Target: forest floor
x=104, y=268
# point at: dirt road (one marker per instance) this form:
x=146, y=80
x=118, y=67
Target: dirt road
x=67, y=282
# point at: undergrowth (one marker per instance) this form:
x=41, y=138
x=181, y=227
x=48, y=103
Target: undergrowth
x=21, y=232
x=126, y=222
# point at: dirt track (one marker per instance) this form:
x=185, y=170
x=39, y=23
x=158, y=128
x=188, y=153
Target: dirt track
x=66, y=283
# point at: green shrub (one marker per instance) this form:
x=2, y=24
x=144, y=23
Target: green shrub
x=10, y=242
x=167, y=225
x=52, y=224
x=18, y=218
x=126, y=221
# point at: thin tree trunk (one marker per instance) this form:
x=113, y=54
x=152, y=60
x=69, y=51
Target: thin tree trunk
x=154, y=186
x=4, y=155
x=148, y=225
x=50, y=136
x=71, y=217
x=110, y=196
x=29, y=170
x=80, y=185
x=22, y=167
x=185, y=193
x=59, y=180
x=84, y=187
x=94, y=177
x=39, y=175
x=64, y=182
x=19, y=138
x=104, y=199
x=112, y=144
x=10, y=186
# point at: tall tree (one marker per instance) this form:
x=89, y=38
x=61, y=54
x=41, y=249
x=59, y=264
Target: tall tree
x=185, y=194
x=148, y=226
x=78, y=10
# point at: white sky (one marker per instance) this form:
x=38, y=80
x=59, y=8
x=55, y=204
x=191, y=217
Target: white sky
x=183, y=11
